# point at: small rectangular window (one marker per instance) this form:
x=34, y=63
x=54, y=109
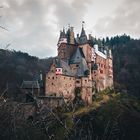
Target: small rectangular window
x=78, y=82
x=101, y=71
x=77, y=65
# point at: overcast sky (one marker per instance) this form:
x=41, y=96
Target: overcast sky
x=34, y=25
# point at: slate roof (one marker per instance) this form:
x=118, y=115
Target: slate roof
x=82, y=68
x=58, y=63
x=83, y=37
x=83, y=33
x=30, y=84
x=65, y=67
x=77, y=57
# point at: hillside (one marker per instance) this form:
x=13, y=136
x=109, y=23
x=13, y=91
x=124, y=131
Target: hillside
x=112, y=116
x=126, y=60
x=18, y=66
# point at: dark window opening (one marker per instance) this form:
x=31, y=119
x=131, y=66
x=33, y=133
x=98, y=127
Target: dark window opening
x=101, y=71
x=77, y=65
x=78, y=82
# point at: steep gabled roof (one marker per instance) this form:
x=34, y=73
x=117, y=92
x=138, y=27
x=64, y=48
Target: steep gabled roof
x=65, y=67
x=83, y=37
x=82, y=68
x=77, y=57
x=30, y=85
x=83, y=33
x=58, y=63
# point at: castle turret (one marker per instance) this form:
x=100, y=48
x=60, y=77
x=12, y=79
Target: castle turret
x=62, y=46
x=70, y=36
x=58, y=67
x=62, y=38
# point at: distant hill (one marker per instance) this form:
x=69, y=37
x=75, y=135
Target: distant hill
x=18, y=66
x=126, y=60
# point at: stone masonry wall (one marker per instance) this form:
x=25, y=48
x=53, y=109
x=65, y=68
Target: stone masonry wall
x=60, y=85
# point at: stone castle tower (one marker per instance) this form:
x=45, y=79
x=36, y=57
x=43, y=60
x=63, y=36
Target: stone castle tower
x=80, y=66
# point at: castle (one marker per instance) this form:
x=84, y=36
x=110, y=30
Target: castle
x=81, y=66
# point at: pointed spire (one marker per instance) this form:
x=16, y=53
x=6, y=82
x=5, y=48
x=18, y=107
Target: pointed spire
x=83, y=24
x=83, y=31
x=62, y=33
x=63, y=30
x=83, y=37
x=58, y=63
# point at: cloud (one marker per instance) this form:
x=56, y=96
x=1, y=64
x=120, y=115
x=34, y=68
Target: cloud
x=125, y=19
x=28, y=29
x=34, y=24
x=70, y=12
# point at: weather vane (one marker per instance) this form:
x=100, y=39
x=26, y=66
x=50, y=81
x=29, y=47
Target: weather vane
x=83, y=22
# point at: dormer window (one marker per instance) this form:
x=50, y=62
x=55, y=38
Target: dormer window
x=58, y=71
